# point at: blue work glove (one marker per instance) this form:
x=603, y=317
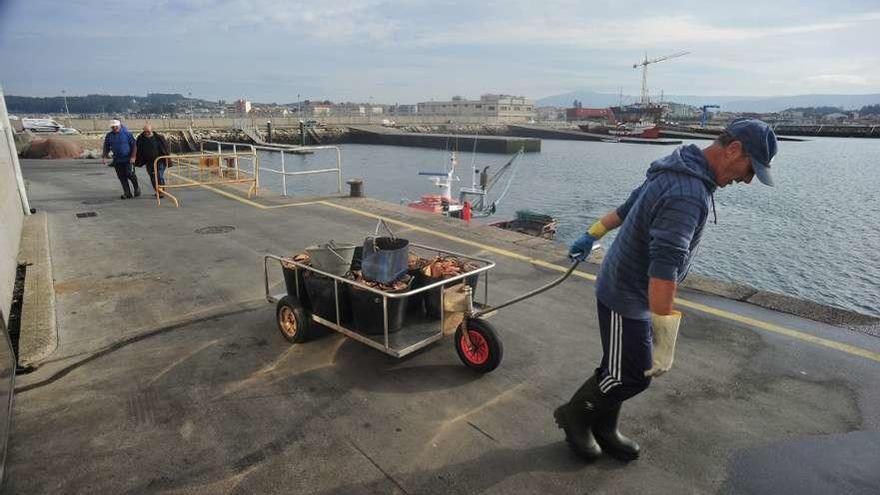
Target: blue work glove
x=581, y=248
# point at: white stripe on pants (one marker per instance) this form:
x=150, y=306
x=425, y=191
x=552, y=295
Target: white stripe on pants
x=615, y=347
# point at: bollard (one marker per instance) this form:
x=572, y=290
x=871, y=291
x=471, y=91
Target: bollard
x=356, y=188
x=268, y=131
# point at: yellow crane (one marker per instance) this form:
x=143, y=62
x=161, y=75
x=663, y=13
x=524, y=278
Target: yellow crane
x=644, y=65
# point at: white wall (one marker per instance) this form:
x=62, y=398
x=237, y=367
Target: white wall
x=11, y=216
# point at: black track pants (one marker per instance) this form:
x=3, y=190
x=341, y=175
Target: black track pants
x=626, y=354
x=125, y=173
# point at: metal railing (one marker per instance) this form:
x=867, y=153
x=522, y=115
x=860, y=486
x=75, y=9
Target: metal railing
x=206, y=168
x=284, y=173
x=235, y=147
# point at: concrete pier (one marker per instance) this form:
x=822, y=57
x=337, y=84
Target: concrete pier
x=551, y=133
x=484, y=144
x=171, y=377
x=710, y=135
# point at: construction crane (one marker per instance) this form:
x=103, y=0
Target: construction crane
x=644, y=65
x=705, y=117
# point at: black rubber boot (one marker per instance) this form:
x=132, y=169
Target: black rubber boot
x=610, y=439
x=577, y=416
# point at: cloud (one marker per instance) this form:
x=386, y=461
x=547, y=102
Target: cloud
x=837, y=79
x=623, y=33
x=411, y=50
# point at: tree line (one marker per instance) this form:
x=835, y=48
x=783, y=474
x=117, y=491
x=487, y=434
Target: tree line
x=153, y=103
x=823, y=111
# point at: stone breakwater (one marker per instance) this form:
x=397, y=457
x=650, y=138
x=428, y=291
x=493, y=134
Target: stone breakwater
x=325, y=135
x=342, y=134
x=468, y=129
x=336, y=134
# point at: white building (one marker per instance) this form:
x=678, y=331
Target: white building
x=243, y=106
x=494, y=108
x=321, y=110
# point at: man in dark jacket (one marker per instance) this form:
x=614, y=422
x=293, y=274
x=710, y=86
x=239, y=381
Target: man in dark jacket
x=152, y=145
x=124, y=149
x=660, y=227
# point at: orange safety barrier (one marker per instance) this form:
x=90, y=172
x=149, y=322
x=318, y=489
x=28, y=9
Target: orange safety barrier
x=202, y=169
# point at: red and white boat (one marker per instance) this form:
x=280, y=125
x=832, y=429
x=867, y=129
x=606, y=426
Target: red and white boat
x=476, y=196
x=443, y=202
x=643, y=130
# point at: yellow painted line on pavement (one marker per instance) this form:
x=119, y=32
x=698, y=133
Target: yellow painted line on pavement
x=246, y=201
x=720, y=313
x=771, y=327
x=289, y=205
x=752, y=322
x=485, y=247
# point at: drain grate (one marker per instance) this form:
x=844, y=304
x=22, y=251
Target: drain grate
x=86, y=214
x=215, y=229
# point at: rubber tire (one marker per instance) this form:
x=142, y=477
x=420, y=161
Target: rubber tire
x=493, y=344
x=301, y=317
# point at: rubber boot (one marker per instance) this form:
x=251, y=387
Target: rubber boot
x=610, y=439
x=576, y=418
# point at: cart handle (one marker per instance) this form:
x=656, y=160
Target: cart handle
x=543, y=288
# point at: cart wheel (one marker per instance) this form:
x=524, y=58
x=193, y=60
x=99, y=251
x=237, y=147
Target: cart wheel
x=294, y=322
x=485, y=352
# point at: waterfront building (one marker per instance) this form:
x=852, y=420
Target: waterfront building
x=549, y=114
x=835, y=117
x=681, y=111
x=491, y=107
x=320, y=110
x=398, y=109
x=242, y=106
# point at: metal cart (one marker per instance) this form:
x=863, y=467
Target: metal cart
x=479, y=348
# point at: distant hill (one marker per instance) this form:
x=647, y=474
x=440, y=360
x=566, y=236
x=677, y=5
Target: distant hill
x=728, y=103
x=92, y=104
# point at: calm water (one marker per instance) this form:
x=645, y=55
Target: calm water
x=815, y=235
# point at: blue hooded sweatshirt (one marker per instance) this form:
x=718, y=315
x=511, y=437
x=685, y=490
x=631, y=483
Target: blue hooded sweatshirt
x=663, y=221
x=121, y=143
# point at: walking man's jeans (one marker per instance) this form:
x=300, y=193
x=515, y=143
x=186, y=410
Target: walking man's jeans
x=125, y=173
x=160, y=172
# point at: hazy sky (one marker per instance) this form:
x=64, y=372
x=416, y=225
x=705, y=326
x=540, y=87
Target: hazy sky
x=409, y=51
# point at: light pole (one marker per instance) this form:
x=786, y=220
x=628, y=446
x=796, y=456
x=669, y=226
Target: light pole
x=370, y=111
x=299, y=107
x=66, y=110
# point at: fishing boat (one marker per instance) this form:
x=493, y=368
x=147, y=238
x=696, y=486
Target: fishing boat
x=644, y=130
x=443, y=202
x=477, y=196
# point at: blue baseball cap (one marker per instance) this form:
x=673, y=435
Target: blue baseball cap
x=759, y=142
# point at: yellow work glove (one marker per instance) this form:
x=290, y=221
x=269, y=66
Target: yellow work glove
x=665, y=329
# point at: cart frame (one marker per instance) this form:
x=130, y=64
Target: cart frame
x=384, y=346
